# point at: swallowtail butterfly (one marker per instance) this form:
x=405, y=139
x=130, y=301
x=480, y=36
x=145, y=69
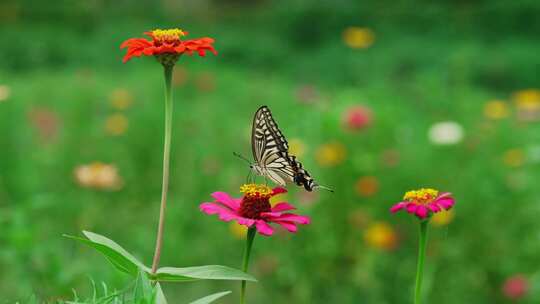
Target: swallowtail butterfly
x=271, y=154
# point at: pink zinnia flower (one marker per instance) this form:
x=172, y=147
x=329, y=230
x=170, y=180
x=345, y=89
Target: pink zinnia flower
x=254, y=209
x=515, y=287
x=424, y=202
x=357, y=117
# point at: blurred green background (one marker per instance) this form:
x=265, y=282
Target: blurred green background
x=360, y=88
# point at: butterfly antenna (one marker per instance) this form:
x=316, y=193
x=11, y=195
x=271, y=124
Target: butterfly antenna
x=241, y=157
x=325, y=188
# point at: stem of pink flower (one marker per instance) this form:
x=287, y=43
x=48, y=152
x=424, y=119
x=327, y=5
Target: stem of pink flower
x=166, y=157
x=421, y=258
x=245, y=263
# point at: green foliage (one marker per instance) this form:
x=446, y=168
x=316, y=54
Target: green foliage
x=127, y=263
x=431, y=61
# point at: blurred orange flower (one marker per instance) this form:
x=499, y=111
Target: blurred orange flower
x=307, y=94
x=5, y=92
x=443, y=218
x=120, y=99
x=180, y=76
x=381, y=235
x=496, y=109
x=514, y=158
x=367, y=186
x=98, y=175
x=46, y=122
x=358, y=37
x=205, y=82
x=167, y=45
x=116, y=124
x=331, y=154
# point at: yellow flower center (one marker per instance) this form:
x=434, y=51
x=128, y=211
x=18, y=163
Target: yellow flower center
x=255, y=190
x=170, y=35
x=421, y=196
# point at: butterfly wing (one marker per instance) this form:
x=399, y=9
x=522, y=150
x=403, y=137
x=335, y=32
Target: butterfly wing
x=271, y=152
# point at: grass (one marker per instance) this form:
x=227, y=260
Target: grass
x=409, y=80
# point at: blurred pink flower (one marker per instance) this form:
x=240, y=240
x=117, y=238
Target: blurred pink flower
x=307, y=94
x=357, y=117
x=424, y=202
x=254, y=209
x=46, y=123
x=515, y=287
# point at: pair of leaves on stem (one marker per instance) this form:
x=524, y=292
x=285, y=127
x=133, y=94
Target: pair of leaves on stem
x=127, y=263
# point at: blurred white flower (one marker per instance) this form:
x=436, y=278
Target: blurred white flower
x=445, y=133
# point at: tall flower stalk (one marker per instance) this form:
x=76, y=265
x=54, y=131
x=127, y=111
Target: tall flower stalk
x=166, y=46
x=245, y=260
x=423, y=203
x=168, y=69
x=420, y=264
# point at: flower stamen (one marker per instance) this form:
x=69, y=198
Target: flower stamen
x=167, y=36
x=421, y=196
x=256, y=190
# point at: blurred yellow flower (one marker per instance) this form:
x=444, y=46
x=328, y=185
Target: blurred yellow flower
x=5, y=92
x=381, y=235
x=358, y=37
x=496, y=109
x=514, y=158
x=331, y=154
x=525, y=97
x=278, y=198
x=367, y=186
x=297, y=147
x=527, y=104
x=120, y=99
x=98, y=175
x=237, y=230
x=443, y=218
x=116, y=124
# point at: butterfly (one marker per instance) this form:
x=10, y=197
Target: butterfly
x=271, y=153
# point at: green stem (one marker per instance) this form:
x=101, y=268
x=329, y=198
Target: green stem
x=421, y=258
x=245, y=263
x=166, y=158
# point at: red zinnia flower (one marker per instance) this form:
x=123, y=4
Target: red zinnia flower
x=424, y=202
x=254, y=209
x=166, y=45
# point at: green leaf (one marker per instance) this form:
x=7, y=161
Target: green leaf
x=158, y=295
x=143, y=288
x=211, y=298
x=208, y=272
x=114, y=253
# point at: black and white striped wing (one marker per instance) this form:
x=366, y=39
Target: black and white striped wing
x=270, y=147
x=271, y=152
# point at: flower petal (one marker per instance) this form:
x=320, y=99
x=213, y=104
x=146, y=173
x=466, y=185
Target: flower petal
x=225, y=214
x=291, y=227
x=434, y=207
x=283, y=206
x=226, y=200
x=422, y=212
x=278, y=190
x=398, y=207
x=289, y=217
x=446, y=202
x=411, y=207
x=263, y=228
